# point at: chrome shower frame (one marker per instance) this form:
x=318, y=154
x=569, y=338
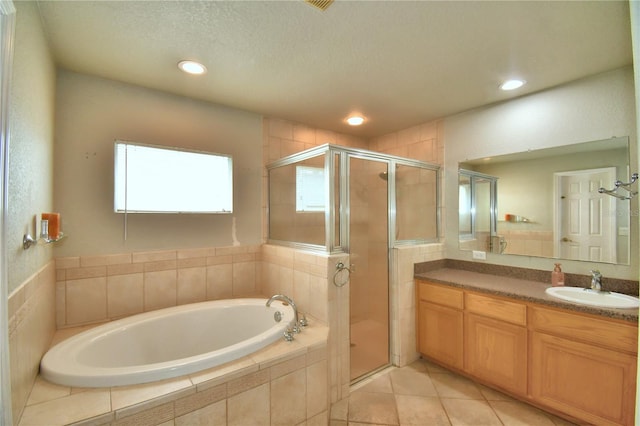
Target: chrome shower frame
x=342, y=154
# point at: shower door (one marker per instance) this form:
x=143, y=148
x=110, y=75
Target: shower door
x=369, y=257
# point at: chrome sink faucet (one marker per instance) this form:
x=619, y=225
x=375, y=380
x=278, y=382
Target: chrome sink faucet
x=596, y=280
x=281, y=297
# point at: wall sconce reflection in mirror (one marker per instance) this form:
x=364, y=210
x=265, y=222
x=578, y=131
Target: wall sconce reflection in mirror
x=621, y=185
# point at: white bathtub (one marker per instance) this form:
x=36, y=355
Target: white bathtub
x=165, y=343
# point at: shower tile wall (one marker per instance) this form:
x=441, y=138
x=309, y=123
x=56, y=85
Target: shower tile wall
x=403, y=299
x=282, y=138
x=286, y=223
x=423, y=142
x=416, y=195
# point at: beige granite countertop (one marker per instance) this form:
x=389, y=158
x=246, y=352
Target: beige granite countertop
x=521, y=289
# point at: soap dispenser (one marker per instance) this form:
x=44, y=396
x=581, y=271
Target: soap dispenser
x=557, y=276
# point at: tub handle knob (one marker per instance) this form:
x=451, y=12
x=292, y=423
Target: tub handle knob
x=288, y=335
x=303, y=321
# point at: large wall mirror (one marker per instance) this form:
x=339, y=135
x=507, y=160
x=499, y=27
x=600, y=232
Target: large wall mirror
x=547, y=203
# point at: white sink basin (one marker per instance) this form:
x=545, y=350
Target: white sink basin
x=590, y=297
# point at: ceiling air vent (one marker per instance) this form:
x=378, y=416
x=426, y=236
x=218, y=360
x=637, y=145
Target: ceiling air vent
x=320, y=4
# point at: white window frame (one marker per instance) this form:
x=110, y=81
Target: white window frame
x=155, y=182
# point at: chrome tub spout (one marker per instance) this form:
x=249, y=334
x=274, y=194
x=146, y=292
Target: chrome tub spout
x=281, y=297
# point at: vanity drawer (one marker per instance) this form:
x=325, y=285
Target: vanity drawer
x=440, y=294
x=504, y=310
x=587, y=328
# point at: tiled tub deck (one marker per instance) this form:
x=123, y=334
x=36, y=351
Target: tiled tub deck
x=284, y=383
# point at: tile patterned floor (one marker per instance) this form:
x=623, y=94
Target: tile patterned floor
x=423, y=394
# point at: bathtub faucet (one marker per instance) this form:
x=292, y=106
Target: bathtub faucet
x=596, y=280
x=285, y=299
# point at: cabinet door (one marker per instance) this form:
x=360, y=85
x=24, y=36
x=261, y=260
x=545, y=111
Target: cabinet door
x=440, y=333
x=496, y=351
x=588, y=382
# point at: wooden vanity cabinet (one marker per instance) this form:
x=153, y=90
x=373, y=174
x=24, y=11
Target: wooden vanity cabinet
x=583, y=365
x=495, y=341
x=440, y=323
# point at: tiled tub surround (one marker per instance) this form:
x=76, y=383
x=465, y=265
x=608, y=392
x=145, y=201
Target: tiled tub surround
x=91, y=289
x=521, y=283
x=284, y=383
x=308, y=278
x=31, y=328
x=315, y=292
x=166, y=343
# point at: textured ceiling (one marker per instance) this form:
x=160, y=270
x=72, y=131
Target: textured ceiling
x=399, y=63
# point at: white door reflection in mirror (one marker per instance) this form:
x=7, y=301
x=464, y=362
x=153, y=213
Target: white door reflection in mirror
x=587, y=226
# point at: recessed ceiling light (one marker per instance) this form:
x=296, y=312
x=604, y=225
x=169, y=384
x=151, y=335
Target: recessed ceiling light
x=512, y=84
x=192, y=67
x=355, y=120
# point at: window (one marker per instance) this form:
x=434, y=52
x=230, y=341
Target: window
x=151, y=179
x=309, y=189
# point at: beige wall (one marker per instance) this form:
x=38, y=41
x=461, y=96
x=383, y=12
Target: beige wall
x=31, y=312
x=92, y=113
x=595, y=108
x=31, y=143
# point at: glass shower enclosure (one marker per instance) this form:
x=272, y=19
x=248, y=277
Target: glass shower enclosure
x=332, y=199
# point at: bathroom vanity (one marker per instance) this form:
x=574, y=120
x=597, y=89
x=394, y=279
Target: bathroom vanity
x=573, y=360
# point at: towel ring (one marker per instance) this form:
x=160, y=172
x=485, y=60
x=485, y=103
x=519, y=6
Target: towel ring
x=339, y=268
